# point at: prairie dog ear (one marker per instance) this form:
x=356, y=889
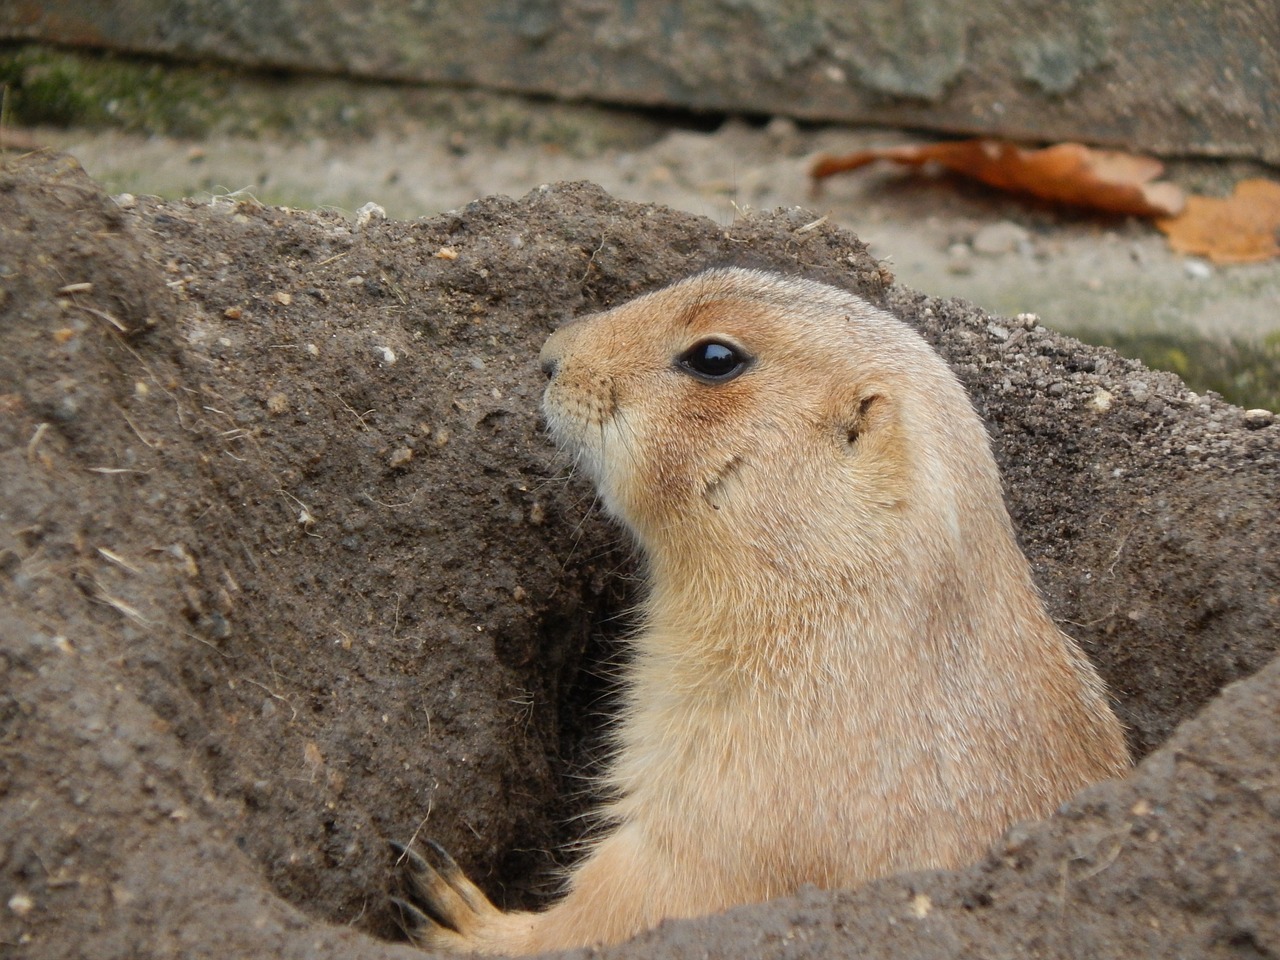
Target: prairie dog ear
x=862, y=414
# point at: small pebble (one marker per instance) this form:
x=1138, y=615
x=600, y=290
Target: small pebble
x=1257, y=418
x=959, y=258
x=21, y=904
x=781, y=128
x=370, y=211
x=1197, y=269
x=996, y=239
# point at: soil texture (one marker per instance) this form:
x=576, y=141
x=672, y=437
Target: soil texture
x=288, y=569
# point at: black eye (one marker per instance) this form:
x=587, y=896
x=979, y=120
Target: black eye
x=713, y=361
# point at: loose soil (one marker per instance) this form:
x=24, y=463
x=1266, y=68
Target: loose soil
x=289, y=569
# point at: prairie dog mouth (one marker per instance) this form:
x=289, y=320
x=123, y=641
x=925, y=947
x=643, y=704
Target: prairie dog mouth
x=718, y=489
x=589, y=432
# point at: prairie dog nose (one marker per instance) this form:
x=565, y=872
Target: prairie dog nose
x=553, y=351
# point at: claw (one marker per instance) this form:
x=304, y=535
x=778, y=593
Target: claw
x=409, y=917
x=405, y=852
x=450, y=865
x=448, y=870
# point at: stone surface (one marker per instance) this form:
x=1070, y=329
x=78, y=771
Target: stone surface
x=1183, y=78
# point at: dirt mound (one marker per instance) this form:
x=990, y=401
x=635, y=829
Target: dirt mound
x=288, y=568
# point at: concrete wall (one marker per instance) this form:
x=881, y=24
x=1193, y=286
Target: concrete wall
x=1170, y=76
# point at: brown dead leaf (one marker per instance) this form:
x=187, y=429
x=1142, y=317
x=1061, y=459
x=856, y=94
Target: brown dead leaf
x=1242, y=228
x=1066, y=173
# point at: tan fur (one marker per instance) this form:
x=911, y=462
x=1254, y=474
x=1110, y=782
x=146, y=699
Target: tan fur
x=844, y=669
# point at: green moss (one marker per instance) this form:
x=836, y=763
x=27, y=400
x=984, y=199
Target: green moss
x=63, y=88
x=47, y=86
x=1246, y=373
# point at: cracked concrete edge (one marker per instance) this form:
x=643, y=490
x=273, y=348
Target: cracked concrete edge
x=1195, y=79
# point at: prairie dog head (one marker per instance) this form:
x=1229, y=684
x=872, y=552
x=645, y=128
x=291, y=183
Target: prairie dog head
x=743, y=413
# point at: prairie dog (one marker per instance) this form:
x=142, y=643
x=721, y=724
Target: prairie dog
x=842, y=669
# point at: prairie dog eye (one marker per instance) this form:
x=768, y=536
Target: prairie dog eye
x=714, y=361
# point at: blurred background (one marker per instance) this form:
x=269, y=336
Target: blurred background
x=716, y=107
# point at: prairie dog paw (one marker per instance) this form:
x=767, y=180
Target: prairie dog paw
x=444, y=910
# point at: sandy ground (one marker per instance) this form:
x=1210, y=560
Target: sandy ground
x=941, y=235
